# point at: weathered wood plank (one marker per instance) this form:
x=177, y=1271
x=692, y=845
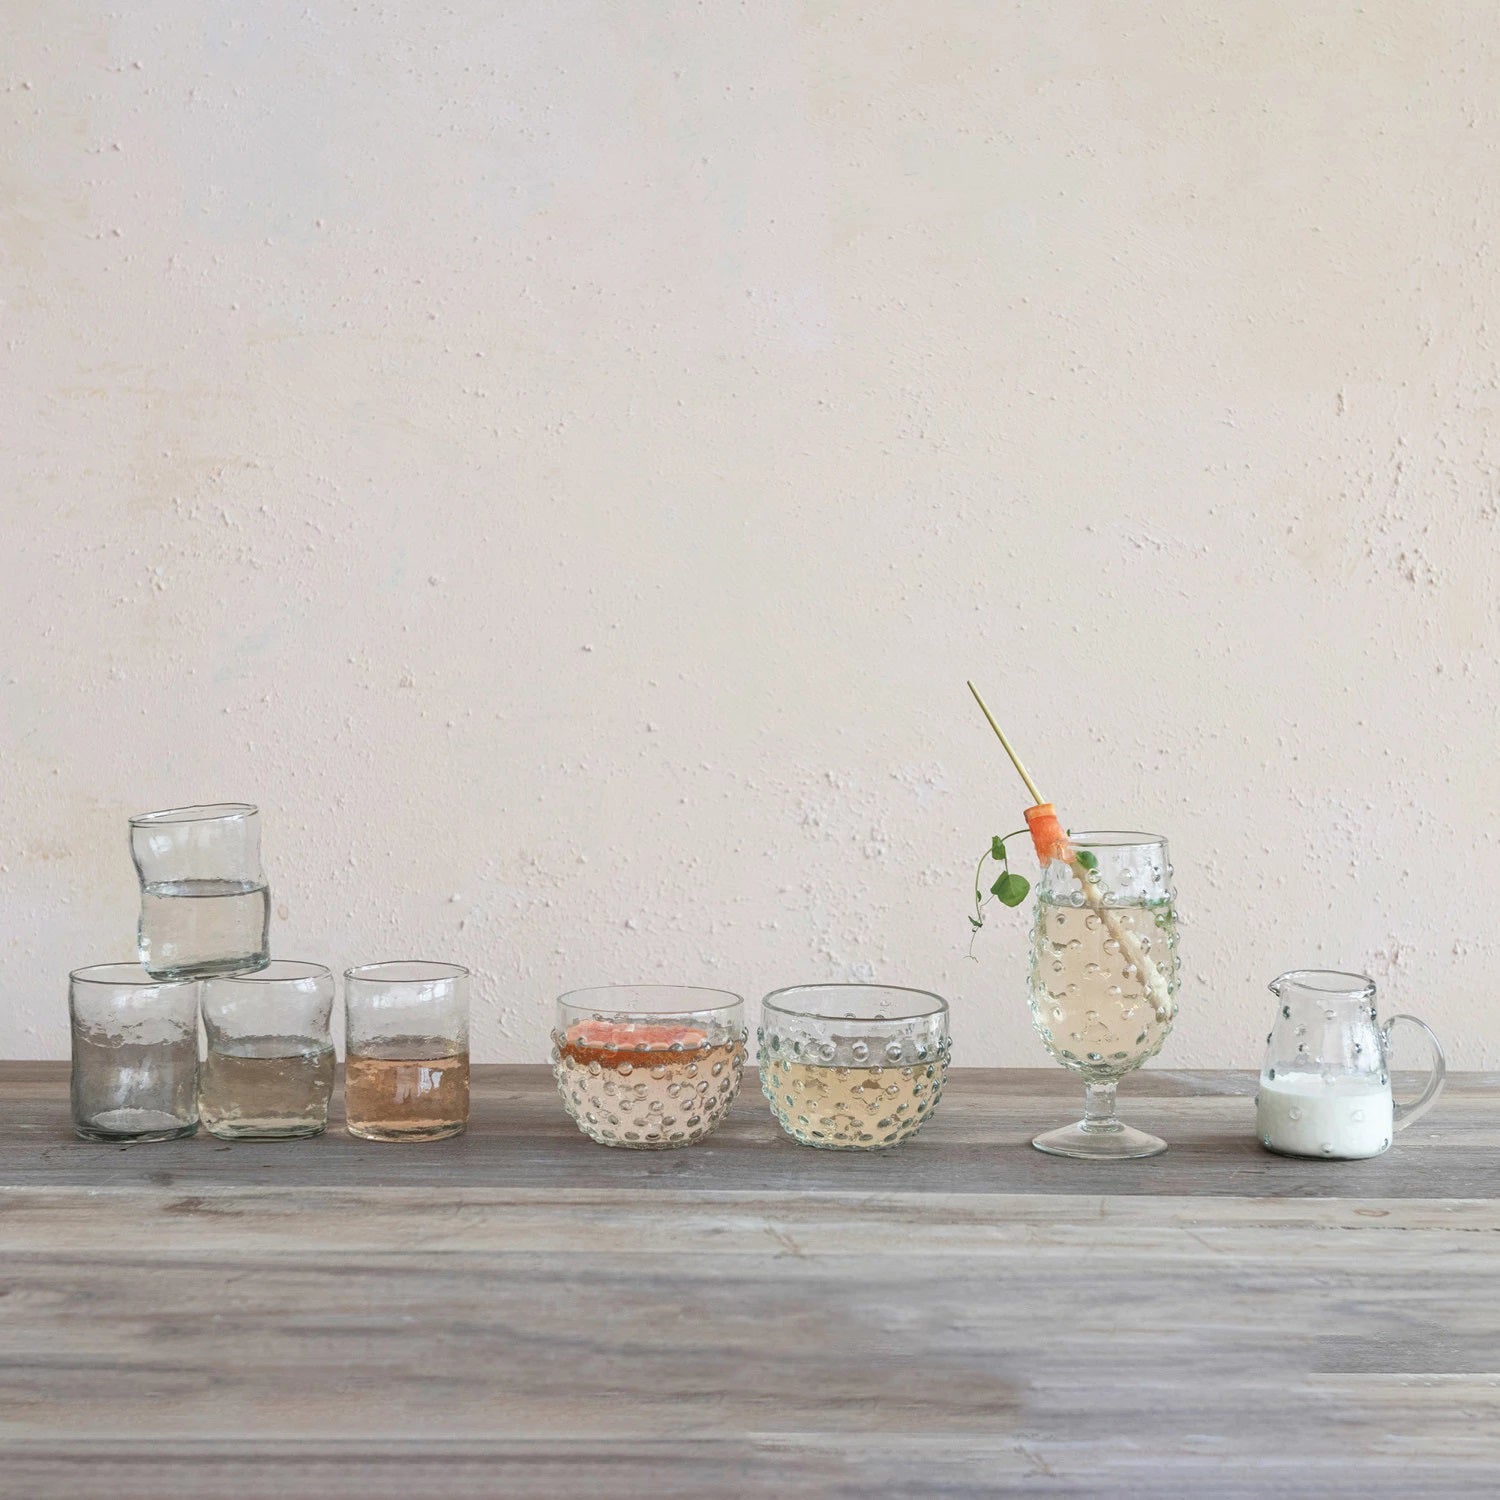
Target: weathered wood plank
x=979, y=1142
x=523, y=1313
x=753, y=1467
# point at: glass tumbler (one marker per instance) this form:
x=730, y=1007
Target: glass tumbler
x=853, y=1067
x=205, y=908
x=135, y=1054
x=406, y=1054
x=648, y=1066
x=269, y=1070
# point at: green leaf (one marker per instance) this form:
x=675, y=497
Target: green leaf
x=1087, y=860
x=1011, y=889
x=997, y=849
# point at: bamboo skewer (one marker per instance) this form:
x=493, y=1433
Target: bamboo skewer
x=1130, y=946
x=1005, y=745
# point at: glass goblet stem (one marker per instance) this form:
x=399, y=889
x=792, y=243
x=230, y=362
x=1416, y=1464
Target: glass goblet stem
x=1099, y=1107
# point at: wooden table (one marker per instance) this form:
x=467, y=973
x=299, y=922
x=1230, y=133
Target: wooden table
x=520, y=1313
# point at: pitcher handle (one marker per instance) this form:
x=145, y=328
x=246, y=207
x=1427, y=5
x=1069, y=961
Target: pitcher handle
x=1406, y=1113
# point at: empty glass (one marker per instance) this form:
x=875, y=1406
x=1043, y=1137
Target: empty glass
x=135, y=1054
x=648, y=1066
x=406, y=1056
x=853, y=1067
x=1104, y=980
x=205, y=908
x=1325, y=1089
x=269, y=1070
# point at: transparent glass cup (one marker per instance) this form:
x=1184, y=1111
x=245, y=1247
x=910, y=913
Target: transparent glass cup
x=268, y=1074
x=648, y=1066
x=853, y=1067
x=205, y=908
x=1104, y=979
x=406, y=1052
x=135, y=1054
x=1325, y=1086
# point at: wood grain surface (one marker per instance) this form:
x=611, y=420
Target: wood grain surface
x=522, y=1313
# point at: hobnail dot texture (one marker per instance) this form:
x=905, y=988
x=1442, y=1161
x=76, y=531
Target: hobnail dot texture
x=838, y=1108
x=650, y=1101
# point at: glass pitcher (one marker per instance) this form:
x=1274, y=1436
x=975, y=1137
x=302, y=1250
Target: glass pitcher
x=1325, y=1089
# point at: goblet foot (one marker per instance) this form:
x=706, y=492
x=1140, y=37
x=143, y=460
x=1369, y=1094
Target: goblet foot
x=1100, y=1140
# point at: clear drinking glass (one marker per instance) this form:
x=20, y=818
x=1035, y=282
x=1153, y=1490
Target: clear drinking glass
x=269, y=1070
x=135, y=1054
x=1104, y=978
x=205, y=908
x=406, y=1054
x=1325, y=1089
x=853, y=1067
x=648, y=1066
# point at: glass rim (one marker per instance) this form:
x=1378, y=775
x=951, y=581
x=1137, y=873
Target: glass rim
x=1339, y=984
x=122, y=975
x=437, y=969
x=1115, y=838
x=773, y=1001
x=572, y=1000
x=310, y=969
x=197, y=812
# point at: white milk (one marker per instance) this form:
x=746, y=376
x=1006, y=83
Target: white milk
x=1298, y=1114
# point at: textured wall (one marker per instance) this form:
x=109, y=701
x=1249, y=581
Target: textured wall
x=562, y=459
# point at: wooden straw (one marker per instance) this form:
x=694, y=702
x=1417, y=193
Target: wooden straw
x=1015, y=759
x=1156, y=987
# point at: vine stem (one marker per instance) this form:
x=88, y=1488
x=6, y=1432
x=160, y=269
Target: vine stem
x=979, y=897
x=978, y=879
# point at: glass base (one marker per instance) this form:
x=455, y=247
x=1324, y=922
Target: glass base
x=264, y=1133
x=417, y=1133
x=619, y=1143
x=643, y=1145
x=1105, y=1141
x=125, y=1136
x=827, y=1143
x=248, y=963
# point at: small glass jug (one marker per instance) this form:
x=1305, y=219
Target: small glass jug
x=1325, y=1089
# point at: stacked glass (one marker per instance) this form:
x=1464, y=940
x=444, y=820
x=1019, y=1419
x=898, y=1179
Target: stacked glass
x=205, y=912
x=203, y=944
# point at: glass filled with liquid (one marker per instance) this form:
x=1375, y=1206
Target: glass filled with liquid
x=268, y=1074
x=406, y=1060
x=853, y=1067
x=205, y=907
x=135, y=1054
x=647, y=1066
x=1104, y=977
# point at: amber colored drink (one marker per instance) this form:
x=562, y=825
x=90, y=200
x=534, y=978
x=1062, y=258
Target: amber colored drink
x=1089, y=1003
x=842, y=1108
x=646, y=1086
x=266, y=1088
x=406, y=1089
